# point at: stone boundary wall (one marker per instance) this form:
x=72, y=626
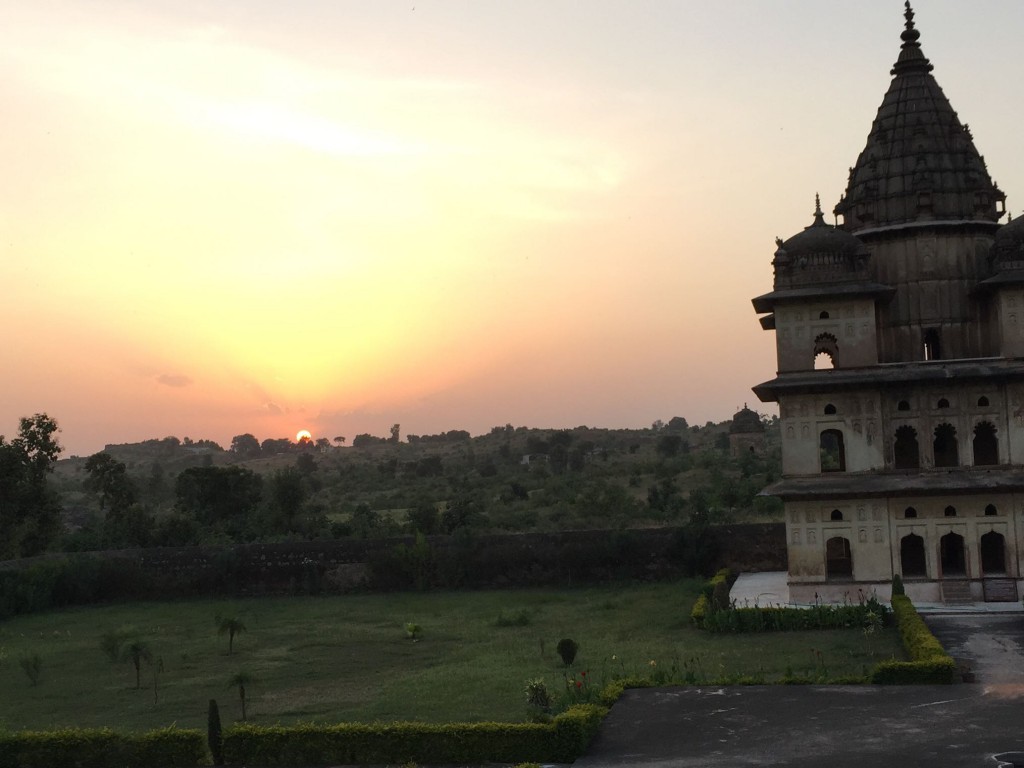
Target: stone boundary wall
x=508, y=560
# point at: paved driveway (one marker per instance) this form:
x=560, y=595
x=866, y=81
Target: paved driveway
x=991, y=646
x=836, y=726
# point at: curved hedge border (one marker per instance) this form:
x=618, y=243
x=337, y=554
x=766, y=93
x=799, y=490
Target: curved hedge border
x=929, y=663
x=102, y=747
x=706, y=603
x=561, y=741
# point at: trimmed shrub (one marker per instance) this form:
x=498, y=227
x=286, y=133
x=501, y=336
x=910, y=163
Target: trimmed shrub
x=214, y=733
x=897, y=585
x=101, y=748
x=567, y=649
x=723, y=576
x=699, y=611
x=614, y=690
x=778, y=619
x=929, y=663
x=714, y=596
x=562, y=740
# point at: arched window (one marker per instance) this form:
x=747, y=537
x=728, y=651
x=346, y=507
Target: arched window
x=943, y=403
x=950, y=511
x=826, y=350
x=832, y=451
x=932, y=348
x=910, y=512
x=991, y=510
x=951, y=552
x=836, y=515
x=902, y=405
x=983, y=402
x=830, y=410
x=823, y=315
x=906, y=454
x=838, y=558
x=986, y=445
x=944, y=448
x=912, y=559
x=993, y=553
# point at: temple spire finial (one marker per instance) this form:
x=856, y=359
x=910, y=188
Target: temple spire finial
x=911, y=58
x=910, y=30
x=819, y=217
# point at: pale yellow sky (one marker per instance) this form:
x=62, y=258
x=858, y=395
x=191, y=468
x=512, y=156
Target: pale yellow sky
x=261, y=217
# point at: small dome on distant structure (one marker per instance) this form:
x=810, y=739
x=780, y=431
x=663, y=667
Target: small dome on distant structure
x=745, y=421
x=1008, y=247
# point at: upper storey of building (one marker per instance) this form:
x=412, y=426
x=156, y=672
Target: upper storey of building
x=920, y=165
x=918, y=269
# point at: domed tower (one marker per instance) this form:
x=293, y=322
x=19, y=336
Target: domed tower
x=746, y=433
x=823, y=305
x=900, y=347
x=921, y=199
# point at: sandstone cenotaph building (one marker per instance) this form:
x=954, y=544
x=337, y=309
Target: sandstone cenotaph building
x=900, y=345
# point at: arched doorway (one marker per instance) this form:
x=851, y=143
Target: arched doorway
x=993, y=553
x=838, y=558
x=951, y=555
x=912, y=559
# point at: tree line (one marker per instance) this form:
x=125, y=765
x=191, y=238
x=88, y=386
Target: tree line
x=514, y=479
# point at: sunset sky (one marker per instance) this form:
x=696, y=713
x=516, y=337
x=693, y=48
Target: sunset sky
x=254, y=216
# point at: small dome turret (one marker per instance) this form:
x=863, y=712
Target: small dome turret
x=1008, y=247
x=745, y=421
x=820, y=253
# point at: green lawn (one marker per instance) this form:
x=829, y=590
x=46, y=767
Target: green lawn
x=348, y=658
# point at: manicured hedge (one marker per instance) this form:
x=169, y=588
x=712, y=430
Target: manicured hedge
x=562, y=740
x=699, y=612
x=714, y=596
x=782, y=619
x=102, y=748
x=723, y=576
x=929, y=663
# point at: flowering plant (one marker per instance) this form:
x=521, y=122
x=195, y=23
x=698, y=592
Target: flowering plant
x=577, y=687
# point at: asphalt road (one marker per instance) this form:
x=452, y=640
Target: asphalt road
x=835, y=726
x=991, y=646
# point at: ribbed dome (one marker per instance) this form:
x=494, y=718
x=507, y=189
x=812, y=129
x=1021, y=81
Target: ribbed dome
x=819, y=253
x=821, y=238
x=920, y=164
x=1008, y=247
x=745, y=421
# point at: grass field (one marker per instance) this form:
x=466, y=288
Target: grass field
x=349, y=658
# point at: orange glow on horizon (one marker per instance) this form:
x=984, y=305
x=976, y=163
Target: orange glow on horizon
x=486, y=222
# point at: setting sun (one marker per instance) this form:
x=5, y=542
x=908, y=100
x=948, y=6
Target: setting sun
x=303, y=435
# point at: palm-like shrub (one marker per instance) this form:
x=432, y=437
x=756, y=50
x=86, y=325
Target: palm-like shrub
x=230, y=626
x=240, y=680
x=137, y=651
